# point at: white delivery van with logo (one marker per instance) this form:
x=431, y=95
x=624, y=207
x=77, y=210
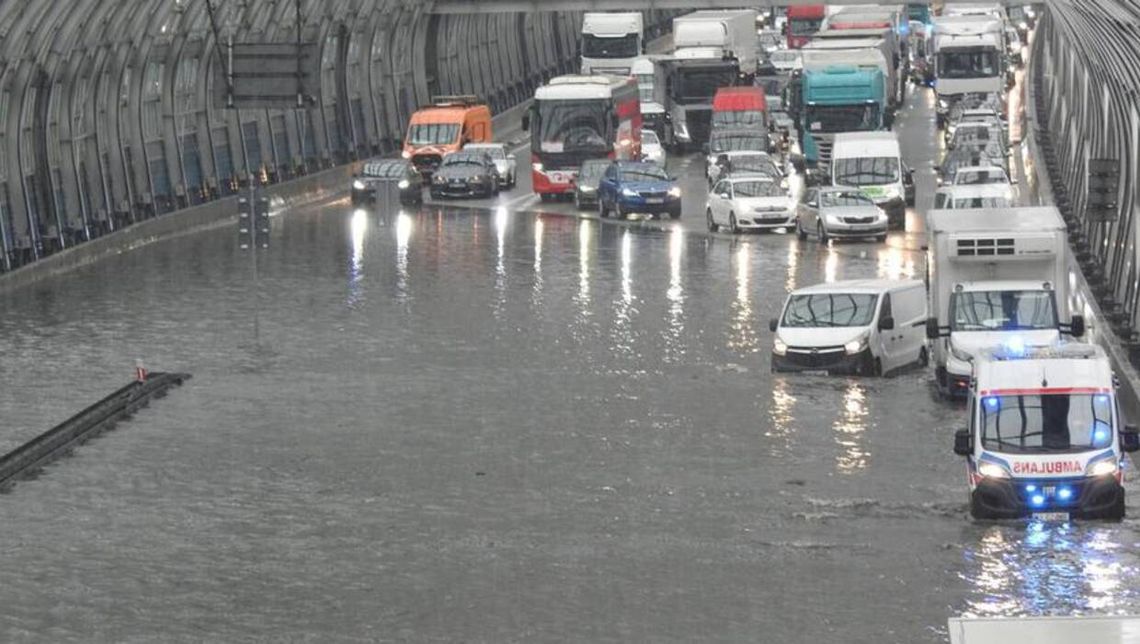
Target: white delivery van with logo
x=872, y=163
x=1045, y=435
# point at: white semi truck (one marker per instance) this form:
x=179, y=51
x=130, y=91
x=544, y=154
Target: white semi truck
x=995, y=277
x=718, y=35
x=611, y=42
x=969, y=57
x=650, y=74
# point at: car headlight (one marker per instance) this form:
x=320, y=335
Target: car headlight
x=675, y=192
x=778, y=347
x=1023, y=25
x=628, y=192
x=855, y=346
x=1102, y=467
x=406, y=154
x=993, y=471
x=439, y=179
x=586, y=188
x=358, y=185
x=959, y=354
x=404, y=184
x=943, y=104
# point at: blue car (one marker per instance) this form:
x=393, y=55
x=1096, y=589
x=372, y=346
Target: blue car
x=638, y=187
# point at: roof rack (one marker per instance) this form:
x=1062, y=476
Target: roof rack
x=462, y=100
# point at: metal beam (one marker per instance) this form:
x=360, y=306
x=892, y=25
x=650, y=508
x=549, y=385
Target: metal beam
x=531, y=6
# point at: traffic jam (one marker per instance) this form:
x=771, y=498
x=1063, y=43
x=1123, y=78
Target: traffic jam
x=792, y=114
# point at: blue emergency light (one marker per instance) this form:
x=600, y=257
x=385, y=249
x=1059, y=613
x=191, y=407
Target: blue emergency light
x=1065, y=493
x=1037, y=500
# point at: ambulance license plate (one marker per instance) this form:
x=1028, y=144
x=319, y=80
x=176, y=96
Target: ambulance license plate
x=1051, y=516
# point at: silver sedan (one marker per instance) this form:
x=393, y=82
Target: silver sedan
x=831, y=213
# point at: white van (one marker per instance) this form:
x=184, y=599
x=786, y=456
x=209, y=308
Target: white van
x=864, y=327
x=872, y=163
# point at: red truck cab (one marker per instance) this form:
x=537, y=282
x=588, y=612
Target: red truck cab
x=740, y=107
x=803, y=22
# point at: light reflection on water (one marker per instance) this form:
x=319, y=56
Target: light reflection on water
x=536, y=289
x=1050, y=568
x=675, y=295
x=850, y=429
x=896, y=264
x=359, y=228
x=742, y=336
x=404, y=226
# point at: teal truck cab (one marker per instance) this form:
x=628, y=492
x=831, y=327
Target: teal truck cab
x=839, y=98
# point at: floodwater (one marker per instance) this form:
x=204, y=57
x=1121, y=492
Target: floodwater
x=495, y=427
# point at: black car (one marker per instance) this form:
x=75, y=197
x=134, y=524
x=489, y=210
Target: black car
x=466, y=174
x=383, y=177
x=586, y=185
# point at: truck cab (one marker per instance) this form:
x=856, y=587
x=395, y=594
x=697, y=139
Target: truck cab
x=803, y=22
x=839, y=98
x=443, y=127
x=611, y=42
x=969, y=54
x=1045, y=438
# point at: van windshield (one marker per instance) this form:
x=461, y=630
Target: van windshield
x=1002, y=310
x=1046, y=423
x=830, y=310
x=433, y=133
x=867, y=171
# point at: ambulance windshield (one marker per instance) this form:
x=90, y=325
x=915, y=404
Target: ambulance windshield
x=1061, y=422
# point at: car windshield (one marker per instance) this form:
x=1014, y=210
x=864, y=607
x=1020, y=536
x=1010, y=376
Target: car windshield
x=572, y=126
x=979, y=177
x=433, y=133
x=1054, y=422
x=971, y=135
x=385, y=169
x=830, y=310
x=644, y=172
x=758, y=189
x=841, y=199
x=463, y=159
x=619, y=47
x=725, y=143
x=982, y=202
x=493, y=151
x=866, y=171
x=968, y=63
x=759, y=164
x=843, y=118
x=738, y=118
x=1002, y=310
x=649, y=137
x=592, y=170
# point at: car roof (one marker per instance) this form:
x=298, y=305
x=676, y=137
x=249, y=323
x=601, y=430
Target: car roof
x=966, y=191
x=857, y=286
x=988, y=169
x=478, y=146
x=750, y=176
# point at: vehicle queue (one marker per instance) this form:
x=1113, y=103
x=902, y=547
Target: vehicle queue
x=1045, y=435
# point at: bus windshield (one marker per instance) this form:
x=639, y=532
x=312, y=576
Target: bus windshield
x=572, y=126
x=830, y=310
x=1067, y=422
x=1002, y=310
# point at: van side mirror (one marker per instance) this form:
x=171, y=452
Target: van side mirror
x=964, y=442
x=1129, y=439
x=887, y=324
x=932, y=330
x=773, y=324
x=1077, y=326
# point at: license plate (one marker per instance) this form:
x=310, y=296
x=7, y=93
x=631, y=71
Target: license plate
x=654, y=201
x=814, y=372
x=1051, y=516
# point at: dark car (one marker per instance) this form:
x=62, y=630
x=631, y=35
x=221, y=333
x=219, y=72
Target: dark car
x=636, y=186
x=383, y=177
x=465, y=174
x=586, y=185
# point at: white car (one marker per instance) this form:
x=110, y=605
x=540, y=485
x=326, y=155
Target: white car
x=787, y=60
x=504, y=161
x=651, y=148
x=981, y=175
x=750, y=202
x=743, y=162
x=994, y=195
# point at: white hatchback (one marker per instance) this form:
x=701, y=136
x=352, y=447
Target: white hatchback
x=750, y=202
x=651, y=148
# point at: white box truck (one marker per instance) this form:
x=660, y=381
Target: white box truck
x=611, y=42
x=716, y=35
x=995, y=277
x=969, y=56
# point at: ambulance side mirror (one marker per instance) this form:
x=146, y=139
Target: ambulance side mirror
x=964, y=442
x=887, y=324
x=1129, y=439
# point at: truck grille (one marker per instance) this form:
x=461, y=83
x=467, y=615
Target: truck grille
x=824, y=150
x=699, y=123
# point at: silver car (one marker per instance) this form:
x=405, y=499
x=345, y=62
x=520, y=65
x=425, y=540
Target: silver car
x=831, y=213
x=504, y=161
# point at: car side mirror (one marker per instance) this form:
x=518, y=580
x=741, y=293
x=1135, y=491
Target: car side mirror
x=932, y=330
x=964, y=442
x=887, y=324
x=1129, y=439
x=1077, y=326
x=773, y=324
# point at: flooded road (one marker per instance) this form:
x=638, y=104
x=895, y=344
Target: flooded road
x=493, y=427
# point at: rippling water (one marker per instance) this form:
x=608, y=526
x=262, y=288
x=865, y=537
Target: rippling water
x=446, y=426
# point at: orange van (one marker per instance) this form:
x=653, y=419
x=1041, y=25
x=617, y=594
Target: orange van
x=443, y=127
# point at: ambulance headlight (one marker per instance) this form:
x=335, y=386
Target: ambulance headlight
x=779, y=348
x=993, y=471
x=1102, y=468
x=855, y=346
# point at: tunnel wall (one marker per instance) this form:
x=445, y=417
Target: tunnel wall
x=109, y=117
x=1086, y=76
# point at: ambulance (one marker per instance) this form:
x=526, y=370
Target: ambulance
x=1046, y=438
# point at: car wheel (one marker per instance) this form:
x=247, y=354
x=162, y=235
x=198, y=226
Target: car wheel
x=602, y=211
x=923, y=357
x=877, y=368
x=675, y=214
x=821, y=232
x=880, y=238
x=709, y=219
x=732, y=223
x=800, y=232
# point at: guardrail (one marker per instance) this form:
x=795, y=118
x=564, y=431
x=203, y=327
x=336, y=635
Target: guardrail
x=1086, y=75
